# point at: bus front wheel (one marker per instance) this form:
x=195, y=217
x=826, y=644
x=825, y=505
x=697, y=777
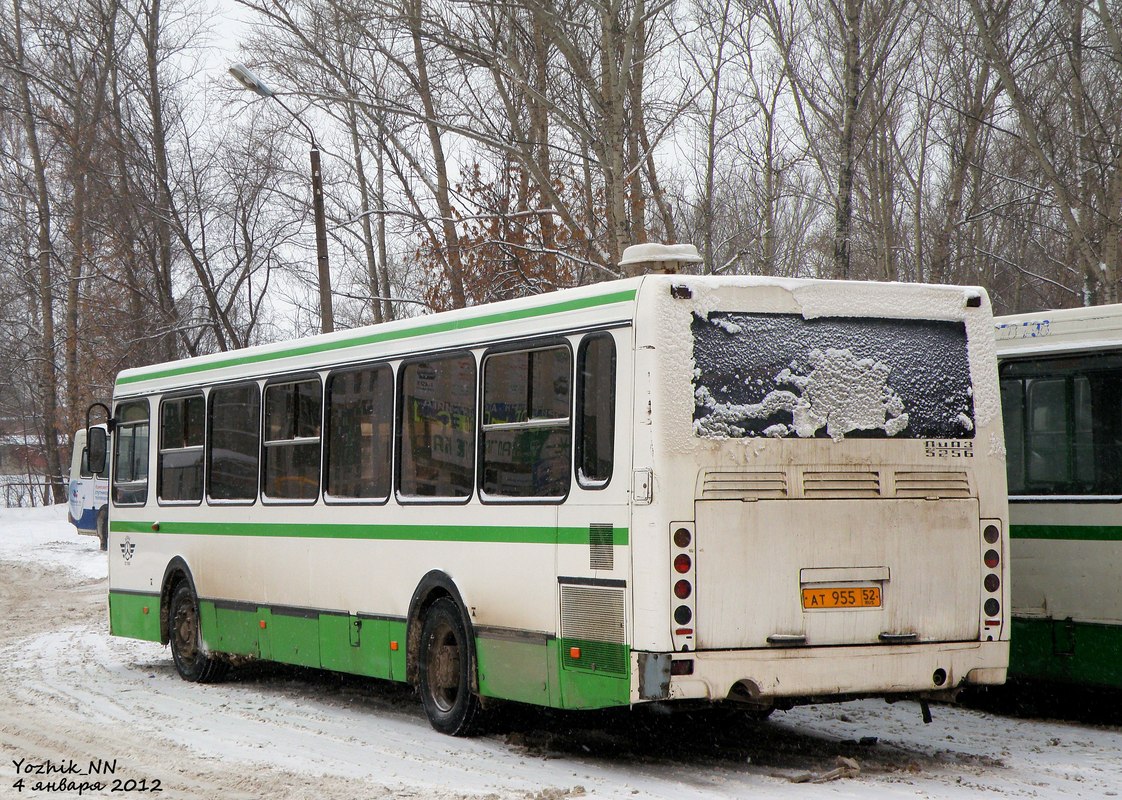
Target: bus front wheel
x=192, y=661
x=444, y=658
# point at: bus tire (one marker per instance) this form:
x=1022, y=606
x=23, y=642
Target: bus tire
x=445, y=662
x=192, y=661
x=103, y=529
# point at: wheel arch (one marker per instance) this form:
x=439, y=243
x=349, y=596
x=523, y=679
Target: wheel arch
x=175, y=572
x=433, y=586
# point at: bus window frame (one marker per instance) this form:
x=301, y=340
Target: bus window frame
x=578, y=418
x=399, y=426
x=207, y=472
x=278, y=380
x=1066, y=367
x=117, y=439
x=513, y=348
x=325, y=435
x=160, y=449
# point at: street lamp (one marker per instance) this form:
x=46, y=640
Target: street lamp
x=247, y=78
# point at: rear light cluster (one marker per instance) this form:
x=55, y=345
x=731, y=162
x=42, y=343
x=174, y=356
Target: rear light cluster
x=991, y=581
x=682, y=551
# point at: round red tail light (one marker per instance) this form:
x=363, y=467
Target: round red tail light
x=991, y=559
x=682, y=563
x=682, y=589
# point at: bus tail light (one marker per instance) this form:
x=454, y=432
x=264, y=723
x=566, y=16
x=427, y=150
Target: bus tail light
x=991, y=599
x=683, y=551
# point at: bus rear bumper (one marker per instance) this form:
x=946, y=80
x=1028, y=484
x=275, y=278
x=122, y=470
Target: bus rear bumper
x=840, y=672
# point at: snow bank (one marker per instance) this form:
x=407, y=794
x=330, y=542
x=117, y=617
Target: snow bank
x=42, y=536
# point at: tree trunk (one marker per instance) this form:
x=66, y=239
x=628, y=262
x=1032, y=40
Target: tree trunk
x=48, y=375
x=850, y=98
x=451, y=255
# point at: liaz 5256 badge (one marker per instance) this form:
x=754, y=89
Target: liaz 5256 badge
x=948, y=448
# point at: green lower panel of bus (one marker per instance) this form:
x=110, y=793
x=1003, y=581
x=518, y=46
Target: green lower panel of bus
x=544, y=672
x=1066, y=652
x=344, y=643
x=136, y=616
x=533, y=669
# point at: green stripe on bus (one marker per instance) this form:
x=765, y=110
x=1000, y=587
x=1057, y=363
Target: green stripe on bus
x=414, y=533
x=386, y=336
x=1079, y=533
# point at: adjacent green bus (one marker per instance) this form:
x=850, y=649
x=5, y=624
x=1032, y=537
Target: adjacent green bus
x=1061, y=390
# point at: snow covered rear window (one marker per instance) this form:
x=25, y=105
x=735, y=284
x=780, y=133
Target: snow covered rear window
x=781, y=375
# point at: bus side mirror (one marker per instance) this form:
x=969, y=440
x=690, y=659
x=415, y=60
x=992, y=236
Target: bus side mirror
x=95, y=447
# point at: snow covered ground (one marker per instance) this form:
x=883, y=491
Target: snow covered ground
x=68, y=691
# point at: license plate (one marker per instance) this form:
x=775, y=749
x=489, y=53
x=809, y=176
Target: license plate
x=839, y=597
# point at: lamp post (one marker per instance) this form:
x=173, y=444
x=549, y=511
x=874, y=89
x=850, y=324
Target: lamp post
x=247, y=78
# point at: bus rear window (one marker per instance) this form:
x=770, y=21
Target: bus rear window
x=784, y=376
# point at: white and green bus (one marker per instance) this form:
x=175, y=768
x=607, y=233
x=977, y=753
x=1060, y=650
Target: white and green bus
x=661, y=488
x=1061, y=386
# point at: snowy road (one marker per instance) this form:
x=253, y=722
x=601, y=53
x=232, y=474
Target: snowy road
x=70, y=692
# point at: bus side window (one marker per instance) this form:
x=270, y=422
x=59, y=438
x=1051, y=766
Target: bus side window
x=179, y=472
x=526, y=433
x=293, y=414
x=130, y=454
x=233, y=443
x=436, y=456
x=1106, y=424
x=359, y=433
x=1048, y=455
x=596, y=410
x=1013, y=415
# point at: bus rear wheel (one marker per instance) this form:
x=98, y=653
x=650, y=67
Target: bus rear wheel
x=445, y=663
x=192, y=661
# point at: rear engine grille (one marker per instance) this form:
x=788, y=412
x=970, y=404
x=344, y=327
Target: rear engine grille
x=841, y=484
x=743, y=485
x=932, y=484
